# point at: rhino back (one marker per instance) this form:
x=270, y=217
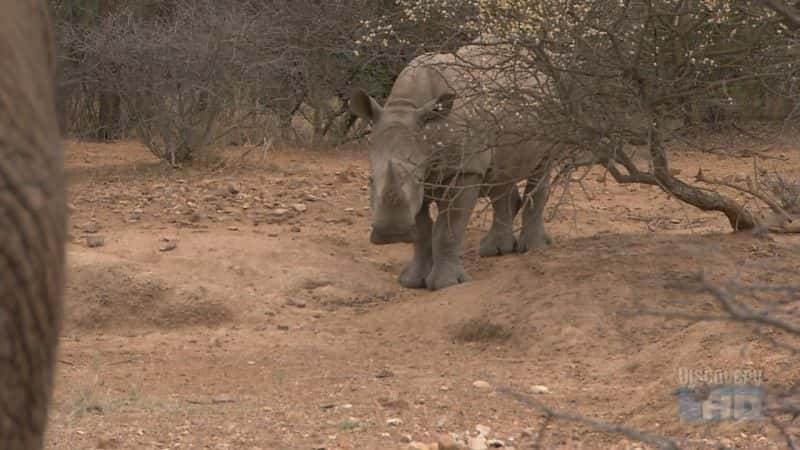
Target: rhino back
x=478, y=135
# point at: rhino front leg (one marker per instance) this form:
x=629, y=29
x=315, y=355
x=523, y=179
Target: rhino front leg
x=533, y=235
x=414, y=274
x=448, y=233
x=505, y=204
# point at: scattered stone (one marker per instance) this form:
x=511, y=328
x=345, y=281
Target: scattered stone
x=496, y=443
x=95, y=240
x=349, y=210
x=299, y=207
x=233, y=188
x=91, y=227
x=223, y=399
x=279, y=212
x=483, y=430
x=406, y=439
x=393, y=404
x=394, y=421
x=283, y=327
x=385, y=373
x=421, y=446
x=482, y=385
x=297, y=303
x=233, y=228
x=327, y=405
x=167, y=245
x=478, y=443
x=444, y=388
x=540, y=389
x=446, y=442
x=296, y=229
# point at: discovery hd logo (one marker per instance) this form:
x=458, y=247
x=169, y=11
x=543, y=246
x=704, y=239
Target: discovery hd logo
x=713, y=395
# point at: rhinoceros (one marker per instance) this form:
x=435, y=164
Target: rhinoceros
x=444, y=137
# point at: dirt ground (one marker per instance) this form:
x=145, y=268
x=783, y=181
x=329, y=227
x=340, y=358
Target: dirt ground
x=243, y=307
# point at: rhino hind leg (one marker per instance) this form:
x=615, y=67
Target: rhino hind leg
x=500, y=239
x=448, y=233
x=413, y=276
x=533, y=235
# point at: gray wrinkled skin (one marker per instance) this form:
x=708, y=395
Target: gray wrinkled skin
x=439, y=139
x=32, y=223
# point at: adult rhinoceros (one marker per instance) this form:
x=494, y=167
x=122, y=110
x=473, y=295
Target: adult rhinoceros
x=445, y=136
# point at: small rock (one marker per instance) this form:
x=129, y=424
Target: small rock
x=540, y=389
x=482, y=385
x=91, y=227
x=446, y=442
x=95, y=240
x=233, y=228
x=283, y=327
x=478, y=443
x=167, y=245
x=421, y=446
x=349, y=210
x=223, y=399
x=385, y=373
x=233, y=188
x=297, y=303
x=279, y=212
x=483, y=430
x=406, y=439
x=299, y=207
x=496, y=443
x=394, y=421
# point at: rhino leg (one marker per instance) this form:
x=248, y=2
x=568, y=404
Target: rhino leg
x=505, y=204
x=533, y=235
x=414, y=274
x=448, y=233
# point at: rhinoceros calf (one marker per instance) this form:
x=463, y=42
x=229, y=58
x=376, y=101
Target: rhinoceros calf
x=444, y=137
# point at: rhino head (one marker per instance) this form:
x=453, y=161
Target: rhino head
x=398, y=154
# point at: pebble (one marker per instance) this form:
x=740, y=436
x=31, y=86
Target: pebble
x=482, y=385
x=394, y=421
x=91, y=227
x=447, y=442
x=95, y=240
x=540, y=389
x=299, y=207
x=478, y=443
x=167, y=245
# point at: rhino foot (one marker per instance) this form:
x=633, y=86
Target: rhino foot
x=413, y=276
x=539, y=241
x=496, y=245
x=444, y=276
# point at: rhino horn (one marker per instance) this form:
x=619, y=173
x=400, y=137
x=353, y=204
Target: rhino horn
x=392, y=194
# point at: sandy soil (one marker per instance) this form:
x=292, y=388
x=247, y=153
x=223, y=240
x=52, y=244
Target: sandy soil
x=274, y=324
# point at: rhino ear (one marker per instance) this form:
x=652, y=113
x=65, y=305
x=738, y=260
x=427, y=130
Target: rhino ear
x=364, y=106
x=436, y=109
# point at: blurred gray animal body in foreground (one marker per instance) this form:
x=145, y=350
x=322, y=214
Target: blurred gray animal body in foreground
x=32, y=222
x=443, y=136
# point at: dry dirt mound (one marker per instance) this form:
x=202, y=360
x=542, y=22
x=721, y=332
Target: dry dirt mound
x=114, y=295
